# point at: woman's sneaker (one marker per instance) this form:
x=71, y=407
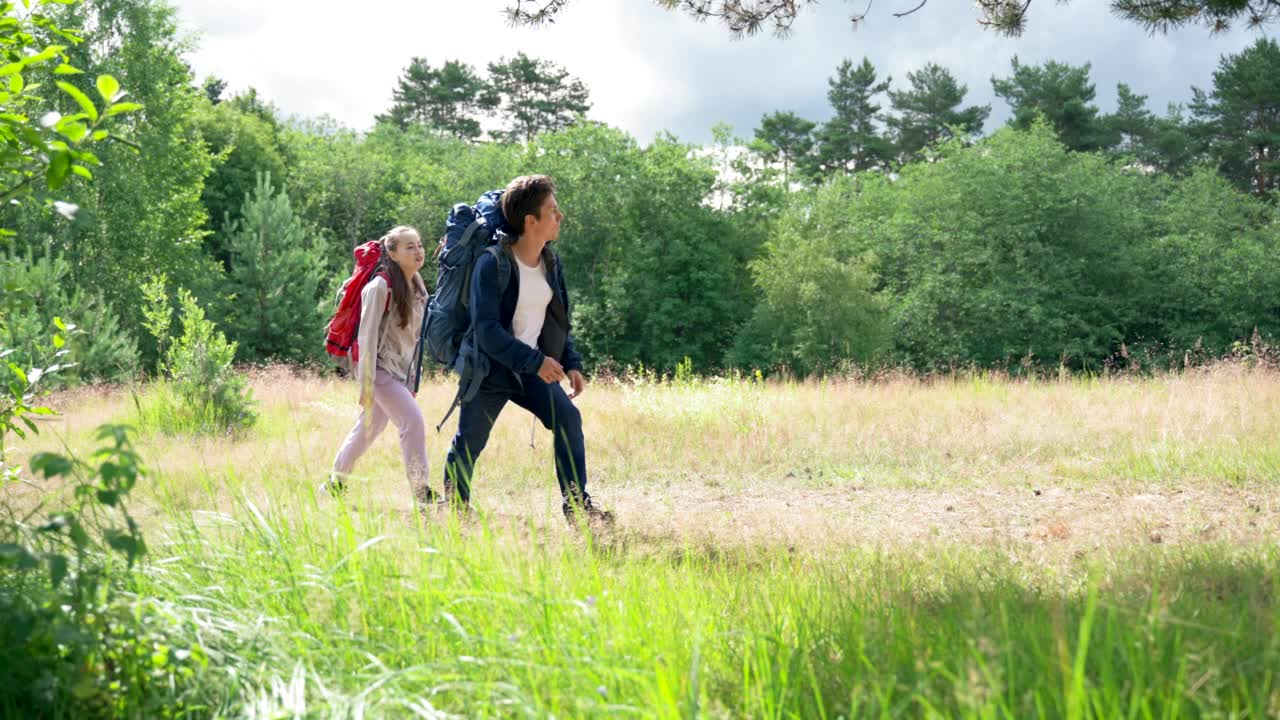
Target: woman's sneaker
x=334, y=487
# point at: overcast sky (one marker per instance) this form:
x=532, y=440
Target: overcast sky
x=650, y=69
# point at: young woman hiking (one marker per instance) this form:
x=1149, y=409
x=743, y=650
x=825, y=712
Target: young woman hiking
x=391, y=310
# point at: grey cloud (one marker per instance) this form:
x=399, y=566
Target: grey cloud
x=652, y=70
x=737, y=82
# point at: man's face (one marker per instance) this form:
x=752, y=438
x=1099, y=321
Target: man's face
x=547, y=226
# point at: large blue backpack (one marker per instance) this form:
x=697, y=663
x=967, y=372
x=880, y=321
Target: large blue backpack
x=469, y=232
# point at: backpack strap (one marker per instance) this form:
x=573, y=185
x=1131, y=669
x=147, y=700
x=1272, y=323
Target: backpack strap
x=504, y=278
x=386, y=277
x=504, y=266
x=465, y=298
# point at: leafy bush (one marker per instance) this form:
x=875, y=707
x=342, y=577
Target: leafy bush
x=38, y=288
x=201, y=392
x=814, y=313
x=73, y=643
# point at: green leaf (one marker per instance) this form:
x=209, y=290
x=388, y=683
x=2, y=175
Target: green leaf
x=58, y=567
x=11, y=68
x=73, y=131
x=108, y=87
x=82, y=171
x=83, y=100
x=58, y=323
x=59, y=167
x=108, y=497
x=124, y=107
x=47, y=54
x=77, y=534
x=50, y=465
x=58, y=342
x=100, y=134
x=18, y=373
x=16, y=83
x=130, y=545
x=65, y=69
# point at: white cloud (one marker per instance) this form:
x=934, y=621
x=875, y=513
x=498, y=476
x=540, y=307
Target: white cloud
x=649, y=69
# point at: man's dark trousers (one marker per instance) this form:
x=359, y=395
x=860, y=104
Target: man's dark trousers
x=547, y=402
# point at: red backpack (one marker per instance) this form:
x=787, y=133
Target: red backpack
x=342, y=333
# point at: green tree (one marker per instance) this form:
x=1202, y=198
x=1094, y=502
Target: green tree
x=37, y=289
x=242, y=145
x=1217, y=15
x=448, y=100
x=655, y=274
x=1214, y=266
x=1011, y=248
x=535, y=96
x=43, y=148
x=251, y=102
x=815, y=312
x=1172, y=145
x=1132, y=124
x=1240, y=118
x=213, y=88
x=786, y=137
x=275, y=278
x=1060, y=93
x=350, y=188
x=143, y=213
x=930, y=111
x=851, y=141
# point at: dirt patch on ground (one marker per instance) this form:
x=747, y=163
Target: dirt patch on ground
x=1071, y=521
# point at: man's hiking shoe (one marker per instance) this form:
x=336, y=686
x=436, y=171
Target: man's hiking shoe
x=451, y=493
x=595, y=517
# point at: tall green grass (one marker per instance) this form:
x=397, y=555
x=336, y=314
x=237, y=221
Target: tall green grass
x=293, y=605
x=319, y=610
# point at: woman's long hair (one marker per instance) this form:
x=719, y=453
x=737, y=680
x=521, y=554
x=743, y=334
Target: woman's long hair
x=401, y=291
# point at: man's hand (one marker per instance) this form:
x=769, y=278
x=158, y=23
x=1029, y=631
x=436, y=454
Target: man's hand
x=550, y=372
x=577, y=383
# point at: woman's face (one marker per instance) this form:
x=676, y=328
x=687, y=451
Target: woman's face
x=408, y=253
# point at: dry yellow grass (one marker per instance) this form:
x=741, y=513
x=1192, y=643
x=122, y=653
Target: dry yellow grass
x=1055, y=467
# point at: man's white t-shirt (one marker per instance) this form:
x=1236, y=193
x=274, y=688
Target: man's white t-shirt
x=531, y=307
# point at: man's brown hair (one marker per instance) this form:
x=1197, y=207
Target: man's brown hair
x=524, y=196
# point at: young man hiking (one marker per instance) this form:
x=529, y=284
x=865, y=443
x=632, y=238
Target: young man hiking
x=522, y=327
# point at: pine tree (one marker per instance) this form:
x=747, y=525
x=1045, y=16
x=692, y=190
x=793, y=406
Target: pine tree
x=1132, y=123
x=535, y=96
x=1240, y=118
x=786, y=137
x=449, y=100
x=852, y=141
x=928, y=112
x=275, y=277
x=1063, y=95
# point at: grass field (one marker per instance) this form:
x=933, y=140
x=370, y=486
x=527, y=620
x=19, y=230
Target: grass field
x=957, y=547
